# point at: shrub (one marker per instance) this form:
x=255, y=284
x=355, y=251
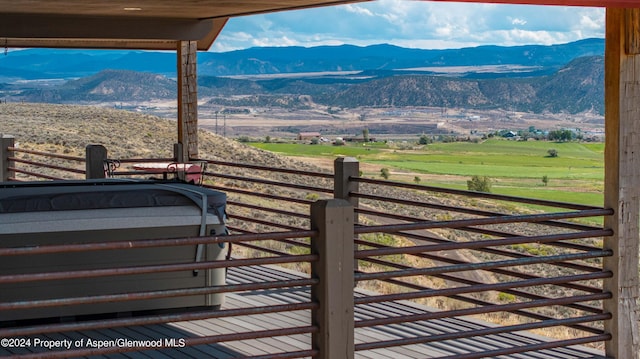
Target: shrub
x=479, y=184
x=506, y=297
x=552, y=152
x=384, y=173
x=312, y=197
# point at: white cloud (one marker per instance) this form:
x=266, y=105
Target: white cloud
x=358, y=10
x=420, y=24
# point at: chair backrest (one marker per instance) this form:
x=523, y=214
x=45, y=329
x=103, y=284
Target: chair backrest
x=110, y=167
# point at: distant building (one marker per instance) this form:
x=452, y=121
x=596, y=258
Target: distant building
x=305, y=136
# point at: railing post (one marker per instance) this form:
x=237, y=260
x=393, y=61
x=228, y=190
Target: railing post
x=345, y=168
x=178, y=152
x=6, y=141
x=95, y=157
x=333, y=219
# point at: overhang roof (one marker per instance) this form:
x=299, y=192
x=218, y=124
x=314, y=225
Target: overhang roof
x=158, y=24
x=140, y=24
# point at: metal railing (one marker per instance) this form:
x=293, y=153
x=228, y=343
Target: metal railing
x=25, y=165
x=523, y=264
x=22, y=331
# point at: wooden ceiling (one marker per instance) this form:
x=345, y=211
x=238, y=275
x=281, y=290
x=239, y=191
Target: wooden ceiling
x=141, y=24
x=158, y=24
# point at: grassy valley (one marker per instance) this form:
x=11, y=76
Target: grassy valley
x=515, y=167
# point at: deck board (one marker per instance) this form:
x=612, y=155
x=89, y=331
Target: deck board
x=210, y=327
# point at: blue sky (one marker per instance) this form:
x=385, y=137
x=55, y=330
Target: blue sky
x=414, y=24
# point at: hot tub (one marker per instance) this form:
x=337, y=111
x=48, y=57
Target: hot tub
x=72, y=212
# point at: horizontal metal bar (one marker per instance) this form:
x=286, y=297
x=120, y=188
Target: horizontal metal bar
x=291, y=242
x=34, y=174
x=370, y=212
x=142, y=160
x=271, y=210
x=482, y=265
x=159, y=268
x=480, y=244
x=260, y=195
x=492, y=233
x=268, y=182
x=47, y=154
x=526, y=218
x=532, y=347
x=508, y=253
x=262, y=249
x=134, y=173
x=468, y=282
x=474, y=194
x=519, y=312
x=154, y=319
x=481, y=310
x=152, y=243
x=506, y=272
x=482, y=288
x=157, y=294
x=270, y=169
x=260, y=221
x=45, y=165
x=482, y=332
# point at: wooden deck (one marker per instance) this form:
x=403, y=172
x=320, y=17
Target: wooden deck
x=301, y=318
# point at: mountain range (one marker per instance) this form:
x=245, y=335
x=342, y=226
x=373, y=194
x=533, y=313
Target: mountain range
x=557, y=78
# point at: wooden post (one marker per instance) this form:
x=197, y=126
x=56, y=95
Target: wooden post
x=6, y=141
x=178, y=151
x=333, y=219
x=344, y=168
x=188, y=99
x=95, y=157
x=622, y=179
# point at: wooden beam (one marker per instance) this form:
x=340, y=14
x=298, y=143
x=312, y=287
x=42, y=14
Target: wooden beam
x=632, y=32
x=206, y=42
x=102, y=27
x=622, y=183
x=188, y=99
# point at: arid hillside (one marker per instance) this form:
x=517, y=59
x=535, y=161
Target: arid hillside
x=69, y=129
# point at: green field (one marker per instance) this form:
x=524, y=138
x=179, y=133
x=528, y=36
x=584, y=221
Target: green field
x=516, y=168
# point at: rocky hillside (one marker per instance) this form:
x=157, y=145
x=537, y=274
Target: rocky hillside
x=575, y=88
x=108, y=85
